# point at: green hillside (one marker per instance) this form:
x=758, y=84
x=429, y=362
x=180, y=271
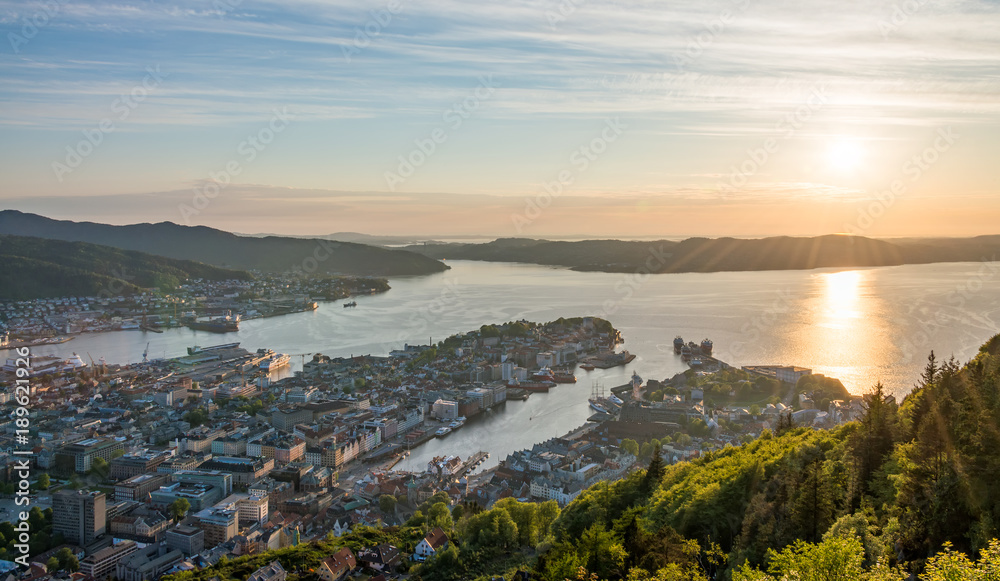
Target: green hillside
x=270, y=254
x=910, y=489
x=42, y=268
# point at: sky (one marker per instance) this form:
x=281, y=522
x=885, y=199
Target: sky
x=537, y=118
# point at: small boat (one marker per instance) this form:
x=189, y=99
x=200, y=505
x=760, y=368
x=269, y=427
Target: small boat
x=588, y=367
x=443, y=431
x=564, y=378
x=351, y=304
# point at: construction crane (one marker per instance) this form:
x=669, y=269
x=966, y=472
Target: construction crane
x=303, y=356
x=145, y=354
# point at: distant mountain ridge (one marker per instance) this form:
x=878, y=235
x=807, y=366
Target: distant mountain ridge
x=721, y=254
x=42, y=268
x=272, y=254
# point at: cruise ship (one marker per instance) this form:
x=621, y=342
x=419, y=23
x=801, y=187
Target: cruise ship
x=276, y=362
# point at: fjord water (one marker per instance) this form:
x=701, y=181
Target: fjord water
x=860, y=325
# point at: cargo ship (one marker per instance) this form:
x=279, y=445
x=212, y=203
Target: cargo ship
x=533, y=386
x=227, y=324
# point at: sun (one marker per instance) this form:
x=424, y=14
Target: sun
x=845, y=154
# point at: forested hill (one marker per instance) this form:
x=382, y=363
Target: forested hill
x=721, y=254
x=908, y=489
x=898, y=487
x=274, y=254
x=40, y=268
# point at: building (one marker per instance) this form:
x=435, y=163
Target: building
x=286, y=419
x=219, y=524
x=138, y=488
x=143, y=462
x=791, y=374
x=170, y=395
x=104, y=563
x=198, y=495
x=142, y=528
x=445, y=409
x=243, y=471
x=222, y=480
x=429, y=546
x=271, y=572
x=337, y=566
x=188, y=540
x=251, y=509
x=80, y=455
x=79, y=516
x=381, y=558
x=150, y=562
x=229, y=446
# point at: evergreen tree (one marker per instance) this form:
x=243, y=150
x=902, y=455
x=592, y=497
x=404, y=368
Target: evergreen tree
x=654, y=473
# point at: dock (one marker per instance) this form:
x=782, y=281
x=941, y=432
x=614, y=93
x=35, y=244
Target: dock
x=472, y=463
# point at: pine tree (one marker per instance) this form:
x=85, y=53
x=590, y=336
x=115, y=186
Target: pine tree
x=654, y=473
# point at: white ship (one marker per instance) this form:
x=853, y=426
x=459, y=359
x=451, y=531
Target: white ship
x=443, y=431
x=279, y=360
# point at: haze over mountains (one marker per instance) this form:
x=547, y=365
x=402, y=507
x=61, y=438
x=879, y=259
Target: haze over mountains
x=272, y=254
x=277, y=254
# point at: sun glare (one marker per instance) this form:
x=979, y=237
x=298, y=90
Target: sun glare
x=842, y=289
x=845, y=155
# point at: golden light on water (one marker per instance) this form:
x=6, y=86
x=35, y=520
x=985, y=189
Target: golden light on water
x=844, y=333
x=841, y=306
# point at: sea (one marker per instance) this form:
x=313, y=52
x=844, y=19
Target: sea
x=858, y=325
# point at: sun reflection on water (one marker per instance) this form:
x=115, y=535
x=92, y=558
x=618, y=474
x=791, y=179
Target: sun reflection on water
x=844, y=327
x=842, y=304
